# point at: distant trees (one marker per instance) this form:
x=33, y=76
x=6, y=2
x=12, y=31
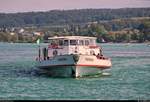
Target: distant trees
x=145, y=29
x=62, y=17
x=125, y=35
x=8, y=37
x=98, y=31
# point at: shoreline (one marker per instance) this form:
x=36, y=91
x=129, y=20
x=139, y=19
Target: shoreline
x=97, y=42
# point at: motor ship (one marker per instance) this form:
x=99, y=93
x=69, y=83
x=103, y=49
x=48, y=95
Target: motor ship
x=72, y=56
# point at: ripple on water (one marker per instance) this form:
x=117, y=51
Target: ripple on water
x=129, y=79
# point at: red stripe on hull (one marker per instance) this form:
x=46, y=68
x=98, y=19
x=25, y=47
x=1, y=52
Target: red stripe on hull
x=98, y=66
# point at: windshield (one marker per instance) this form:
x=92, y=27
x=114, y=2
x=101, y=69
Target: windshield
x=67, y=42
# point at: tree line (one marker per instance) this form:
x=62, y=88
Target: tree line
x=62, y=17
x=139, y=34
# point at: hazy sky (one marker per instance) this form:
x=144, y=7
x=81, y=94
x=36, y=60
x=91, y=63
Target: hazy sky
x=11, y=6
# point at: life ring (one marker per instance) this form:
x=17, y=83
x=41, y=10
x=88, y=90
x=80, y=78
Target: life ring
x=55, y=52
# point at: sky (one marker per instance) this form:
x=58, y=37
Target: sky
x=14, y=6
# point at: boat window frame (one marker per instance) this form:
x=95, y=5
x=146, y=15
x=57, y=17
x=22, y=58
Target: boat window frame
x=85, y=42
x=61, y=42
x=64, y=43
x=73, y=44
x=92, y=42
x=79, y=42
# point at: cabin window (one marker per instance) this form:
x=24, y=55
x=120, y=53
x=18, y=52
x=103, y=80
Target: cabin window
x=81, y=42
x=60, y=42
x=86, y=42
x=73, y=42
x=92, y=42
x=66, y=43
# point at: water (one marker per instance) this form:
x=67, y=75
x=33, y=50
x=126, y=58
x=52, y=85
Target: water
x=129, y=79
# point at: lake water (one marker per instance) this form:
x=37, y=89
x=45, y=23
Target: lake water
x=129, y=79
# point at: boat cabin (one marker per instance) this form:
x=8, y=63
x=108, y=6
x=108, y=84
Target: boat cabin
x=72, y=45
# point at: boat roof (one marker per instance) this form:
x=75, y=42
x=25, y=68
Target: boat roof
x=71, y=37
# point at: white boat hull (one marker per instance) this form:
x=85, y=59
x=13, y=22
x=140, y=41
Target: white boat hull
x=74, y=66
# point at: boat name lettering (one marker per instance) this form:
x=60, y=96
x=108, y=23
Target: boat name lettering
x=89, y=59
x=62, y=59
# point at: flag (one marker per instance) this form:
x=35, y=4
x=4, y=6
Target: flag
x=38, y=41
